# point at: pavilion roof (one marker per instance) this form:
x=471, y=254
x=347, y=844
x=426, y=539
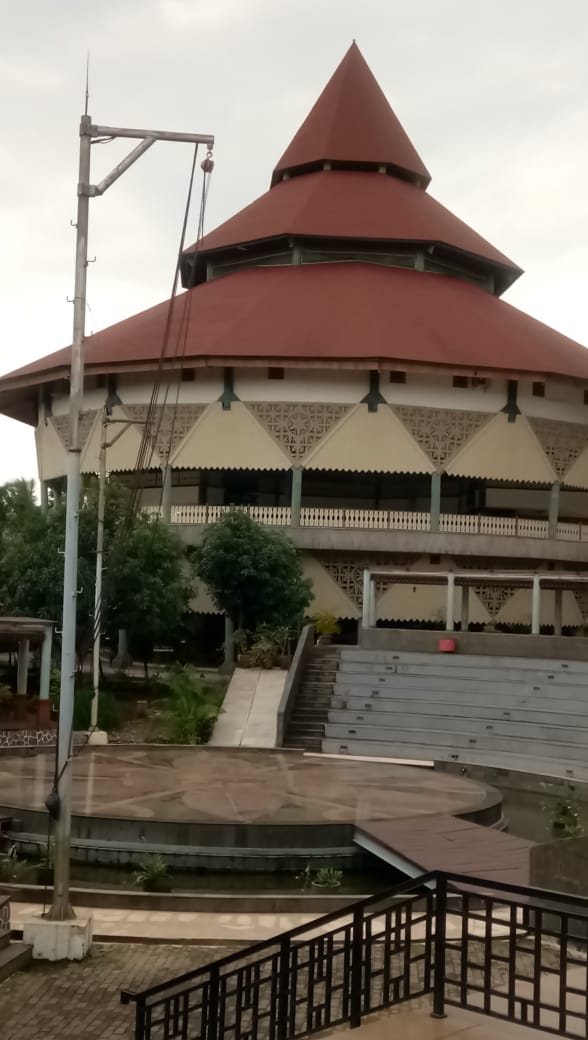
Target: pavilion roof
x=322, y=314
x=352, y=123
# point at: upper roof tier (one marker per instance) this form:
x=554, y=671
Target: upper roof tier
x=343, y=206
x=351, y=173
x=352, y=125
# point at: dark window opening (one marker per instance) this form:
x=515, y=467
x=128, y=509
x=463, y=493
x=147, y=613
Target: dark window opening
x=461, y=381
x=538, y=389
x=275, y=373
x=188, y=375
x=398, y=377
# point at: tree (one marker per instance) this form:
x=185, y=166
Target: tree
x=254, y=574
x=147, y=581
x=148, y=586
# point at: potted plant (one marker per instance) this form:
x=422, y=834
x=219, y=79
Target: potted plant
x=565, y=821
x=326, y=626
x=153, y=875
x=328, y=877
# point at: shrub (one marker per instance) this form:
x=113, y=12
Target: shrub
x=153, y=875
x=566, y=820
x=192, y=708
x=108, y=708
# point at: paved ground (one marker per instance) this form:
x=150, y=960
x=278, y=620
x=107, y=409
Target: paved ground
x=242, y=785
x=250, y=709
x=81, y=1001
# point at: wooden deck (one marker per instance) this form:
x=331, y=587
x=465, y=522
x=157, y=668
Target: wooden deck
x=426, y=843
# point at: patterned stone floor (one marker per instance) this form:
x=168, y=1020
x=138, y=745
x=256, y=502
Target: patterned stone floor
x=240, y=785
x=67, y=1001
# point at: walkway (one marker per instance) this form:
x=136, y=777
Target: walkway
x=448, y=843
x=54, y=1001
x=250, y=709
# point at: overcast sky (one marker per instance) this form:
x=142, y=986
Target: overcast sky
x=494, y=97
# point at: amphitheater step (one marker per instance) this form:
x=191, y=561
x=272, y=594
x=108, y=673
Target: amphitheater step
x=16, y=956
x=517, y=710
x=524, y=728
x=494, y=760
x=372, y=736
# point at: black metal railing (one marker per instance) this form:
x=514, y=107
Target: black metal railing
x=511, y=952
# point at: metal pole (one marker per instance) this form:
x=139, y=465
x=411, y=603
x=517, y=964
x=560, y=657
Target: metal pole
x=61, y=909
x=98, y=584
x=450, y=609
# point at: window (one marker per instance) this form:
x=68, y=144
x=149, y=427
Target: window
x=585, y=396
x=275, y=373
x=188, y=375
x=538, y=389
x=398, y=377
x=461, y=381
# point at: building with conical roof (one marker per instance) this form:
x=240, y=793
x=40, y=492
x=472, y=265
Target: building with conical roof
x=344, y=367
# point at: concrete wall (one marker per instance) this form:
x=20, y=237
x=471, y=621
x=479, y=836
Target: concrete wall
x=497, y=644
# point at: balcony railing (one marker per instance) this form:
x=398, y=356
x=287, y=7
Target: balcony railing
x=382, y=520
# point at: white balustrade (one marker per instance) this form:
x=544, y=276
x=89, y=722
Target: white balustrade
x=379, y=520
x=532, y=528
x=568, y=532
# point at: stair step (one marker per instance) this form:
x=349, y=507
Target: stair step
x=14, y=957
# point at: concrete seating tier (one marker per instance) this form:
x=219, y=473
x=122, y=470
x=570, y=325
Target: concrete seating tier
x=511, y=713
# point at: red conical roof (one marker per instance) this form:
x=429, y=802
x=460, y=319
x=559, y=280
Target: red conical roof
x=353, y=124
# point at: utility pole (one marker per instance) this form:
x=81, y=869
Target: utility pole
x=98, y=584
x=61, y=909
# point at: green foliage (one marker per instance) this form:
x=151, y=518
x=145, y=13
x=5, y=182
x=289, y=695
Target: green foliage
x=13, y=869
x=31, y=553
x=148, y=578
x=151, y=586
x=192, y=708
x=153, y=875
x=109, y=714
x=326, y=624
x=328, y=877
x=324, y=877
x=254, y=574
x=566, y=820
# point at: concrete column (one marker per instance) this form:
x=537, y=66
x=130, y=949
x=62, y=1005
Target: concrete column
x=166, y=489
x=536, y=606
x=296, y=495
x=365, y=616
x=45, y=678
x=465, y=608
x=22, y=673
x=558, y=612
x=435, y=500
x=450, y=610
x=372, y=600
x=553, y=516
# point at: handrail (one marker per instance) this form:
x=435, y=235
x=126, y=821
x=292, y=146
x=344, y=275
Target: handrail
x=293, y=681
x=274, y=979
x=405, y=887
x=402, y=888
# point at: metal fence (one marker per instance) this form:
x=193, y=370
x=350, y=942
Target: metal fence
x=506, y=951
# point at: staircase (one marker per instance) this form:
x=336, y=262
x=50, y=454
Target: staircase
x=306, y=729
x=14, y=956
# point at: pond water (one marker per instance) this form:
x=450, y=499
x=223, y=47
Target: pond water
x=528, y=815
x=226, y=882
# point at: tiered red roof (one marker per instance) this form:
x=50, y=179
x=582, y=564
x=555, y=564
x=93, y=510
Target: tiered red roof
x=329, y=188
